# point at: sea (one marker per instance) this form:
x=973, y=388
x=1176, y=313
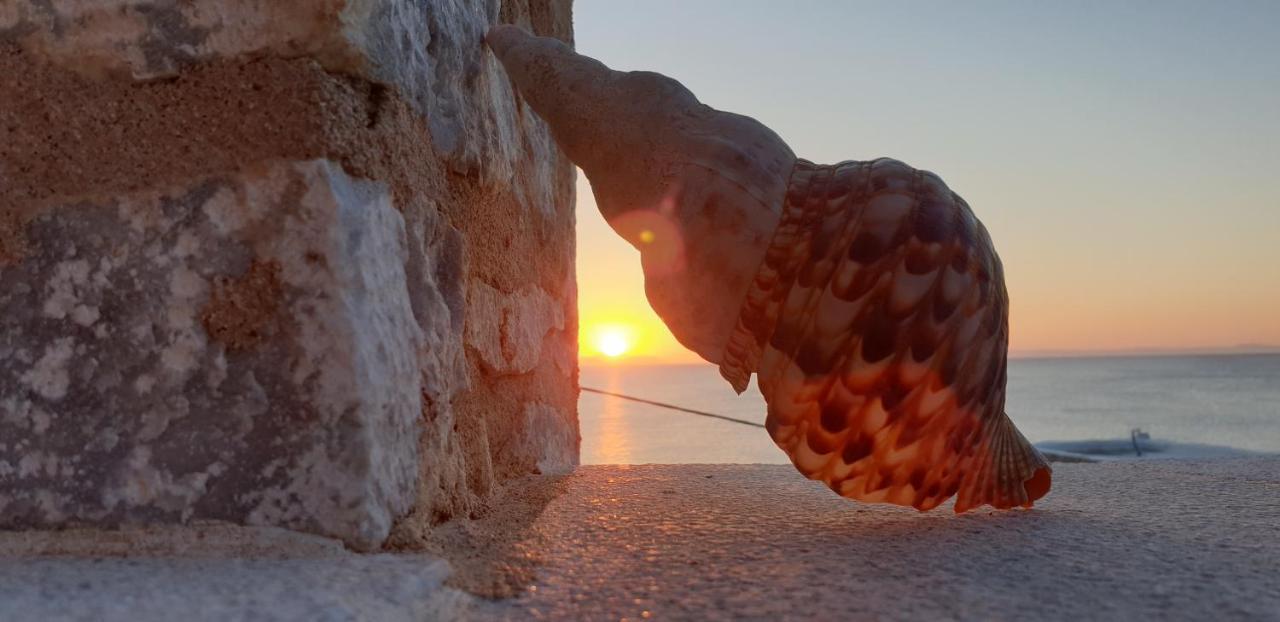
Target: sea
x=1090, y=409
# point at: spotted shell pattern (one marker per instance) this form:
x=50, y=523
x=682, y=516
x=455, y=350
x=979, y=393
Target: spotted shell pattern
x=878, y=329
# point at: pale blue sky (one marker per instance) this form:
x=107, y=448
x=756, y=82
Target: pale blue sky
x=1125, y=156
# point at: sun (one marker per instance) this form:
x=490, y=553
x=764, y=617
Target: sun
x=612, y=342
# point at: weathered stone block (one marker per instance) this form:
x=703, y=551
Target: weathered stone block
x=395, y=105
x=243, y=348
x=431, y=51
x=509, y=328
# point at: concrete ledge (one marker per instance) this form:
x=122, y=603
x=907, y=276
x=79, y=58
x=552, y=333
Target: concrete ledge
x=214, y=572
x=1155, y=540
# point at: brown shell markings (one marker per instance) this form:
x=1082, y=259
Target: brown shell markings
x=878, y=328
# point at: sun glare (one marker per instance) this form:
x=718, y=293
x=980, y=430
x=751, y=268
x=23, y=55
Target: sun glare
x=610, y=340
x=612, y=343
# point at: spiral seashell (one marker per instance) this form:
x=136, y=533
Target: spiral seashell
x=865, y=296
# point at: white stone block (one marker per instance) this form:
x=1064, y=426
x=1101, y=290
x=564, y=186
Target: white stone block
x=244, y=348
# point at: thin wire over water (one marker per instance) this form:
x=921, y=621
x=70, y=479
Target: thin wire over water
x=673, y=407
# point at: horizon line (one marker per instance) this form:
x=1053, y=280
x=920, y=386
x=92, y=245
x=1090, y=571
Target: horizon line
x=1038, y=353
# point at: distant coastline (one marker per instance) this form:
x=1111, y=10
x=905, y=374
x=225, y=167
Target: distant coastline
x=1241, y=350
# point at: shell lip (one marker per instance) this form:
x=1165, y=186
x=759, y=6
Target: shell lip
x=745, y=346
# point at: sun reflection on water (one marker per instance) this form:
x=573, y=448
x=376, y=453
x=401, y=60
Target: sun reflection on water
x=612, y=446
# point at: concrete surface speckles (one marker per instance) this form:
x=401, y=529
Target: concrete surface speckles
x=1155, y=540
x=215, y=572
x=1158, y=540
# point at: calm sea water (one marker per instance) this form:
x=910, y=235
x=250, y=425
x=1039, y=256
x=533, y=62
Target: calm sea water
x=1190, y=406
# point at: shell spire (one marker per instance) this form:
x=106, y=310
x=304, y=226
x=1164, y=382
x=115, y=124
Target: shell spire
x=865, y=296
x=698, y=191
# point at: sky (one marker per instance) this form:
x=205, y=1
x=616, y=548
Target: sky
x=1125, y=156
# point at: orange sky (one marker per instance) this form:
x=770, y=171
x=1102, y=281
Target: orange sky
x=611, y=292
x=1066, y=297
x=1124, y=160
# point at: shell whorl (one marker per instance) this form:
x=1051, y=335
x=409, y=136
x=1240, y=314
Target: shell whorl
x=892, y=221
x=878, y=328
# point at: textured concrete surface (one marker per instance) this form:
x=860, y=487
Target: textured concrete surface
x=123, y=105
x=215, y=572
x=1156, y=540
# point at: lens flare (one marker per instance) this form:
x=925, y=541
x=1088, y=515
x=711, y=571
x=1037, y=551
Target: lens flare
x=658, y=237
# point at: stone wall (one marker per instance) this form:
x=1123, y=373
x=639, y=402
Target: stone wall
x=299, y=263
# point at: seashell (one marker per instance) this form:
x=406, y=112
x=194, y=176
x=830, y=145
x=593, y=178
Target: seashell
x=913, y=400
x=865, y=296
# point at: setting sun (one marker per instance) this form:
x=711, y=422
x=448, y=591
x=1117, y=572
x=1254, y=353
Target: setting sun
x=612, y=344
x=609, y=340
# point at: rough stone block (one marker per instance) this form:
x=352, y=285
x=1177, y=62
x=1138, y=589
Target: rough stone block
x=431, y=51
x=395, y=105
x=242, y=349
x=509, y=328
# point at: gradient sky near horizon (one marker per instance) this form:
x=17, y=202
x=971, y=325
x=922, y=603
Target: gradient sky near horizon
x=1125, y=156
